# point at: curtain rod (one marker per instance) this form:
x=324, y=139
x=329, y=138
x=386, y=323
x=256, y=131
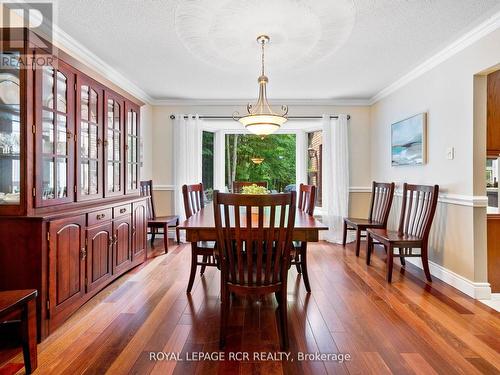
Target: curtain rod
x=172, y=117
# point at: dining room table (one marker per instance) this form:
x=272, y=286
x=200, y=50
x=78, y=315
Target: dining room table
x=201, y=226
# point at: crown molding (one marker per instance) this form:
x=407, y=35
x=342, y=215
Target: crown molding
x=244, y=102
x=485, y=28
x=76, y=49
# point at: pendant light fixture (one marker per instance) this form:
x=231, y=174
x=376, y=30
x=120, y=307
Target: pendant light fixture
x=261, y=119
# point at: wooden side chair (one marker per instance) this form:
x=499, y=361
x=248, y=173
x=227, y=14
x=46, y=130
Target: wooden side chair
x=298, y=257
x=18, y=309
x=158, y=222
x=254, y=250
x=380, y=207
x=194, y=202
x=417, y=212
x=238, y=185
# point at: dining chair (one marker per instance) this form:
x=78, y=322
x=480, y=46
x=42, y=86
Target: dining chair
x=238, y=185
x=380, y=207
x=194, y=201
x=158, y=222
x=417, y=212
x=298, y=256
x=254, y=237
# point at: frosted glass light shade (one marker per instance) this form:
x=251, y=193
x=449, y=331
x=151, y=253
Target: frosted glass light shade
x=262, y=124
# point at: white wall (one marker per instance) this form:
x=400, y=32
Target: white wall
x=446, y=93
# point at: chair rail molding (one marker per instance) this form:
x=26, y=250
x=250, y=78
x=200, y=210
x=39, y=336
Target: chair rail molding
x=164, y=187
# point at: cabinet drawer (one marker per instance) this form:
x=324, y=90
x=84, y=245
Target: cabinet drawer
x=98, y=216
x=124, y=209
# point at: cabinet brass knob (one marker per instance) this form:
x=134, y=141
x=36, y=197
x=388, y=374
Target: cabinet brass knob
x=123, y=210
x=83, y=253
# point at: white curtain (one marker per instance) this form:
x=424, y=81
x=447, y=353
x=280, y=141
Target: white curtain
x=187, y=156
x=335, y=175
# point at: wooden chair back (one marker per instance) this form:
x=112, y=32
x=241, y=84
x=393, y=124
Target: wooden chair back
x=381, y=202
x=254, y=235
x=147, y=191
x=307, y=198
x=238, y=185
x=417, y=209
x=193, y=199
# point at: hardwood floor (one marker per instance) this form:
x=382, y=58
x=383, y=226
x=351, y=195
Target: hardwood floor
x=407, y=327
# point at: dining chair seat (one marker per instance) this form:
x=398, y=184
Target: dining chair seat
x=380, y=206
x=384, y=236
x=363, y=223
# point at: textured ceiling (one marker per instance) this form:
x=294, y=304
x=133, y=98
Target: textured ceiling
x=320, y=49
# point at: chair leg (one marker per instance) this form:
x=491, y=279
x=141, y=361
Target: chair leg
x=178, y=233
x=344, y=237
x=203, y=267
x=358, y=241
x=401, y=258
x=369, y=248
x=390, y=260
x=153, y=232
x=194, y=262
x=28, y=329
x=224, y=315
x=303, y=265
x=165, y=238
x=283, y=321
x=425, y=263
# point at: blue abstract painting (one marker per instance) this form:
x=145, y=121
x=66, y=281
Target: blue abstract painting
x=408, y=141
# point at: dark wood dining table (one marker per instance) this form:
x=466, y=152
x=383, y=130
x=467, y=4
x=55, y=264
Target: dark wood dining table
x=201, y=226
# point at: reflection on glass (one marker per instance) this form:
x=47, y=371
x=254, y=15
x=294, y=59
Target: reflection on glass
x=84, y=184
x=48, y=178
x=117, y=177
x=129, y=122
x=10, y=136
x=134, y=127
x=84, y=140
x=116, y=146
x=117, y=116
x=93, y=106
x=93, y=177
x=110, y=145
x=47, y=132
x=62, y=137
x=110, y=176
x=92, y=141
x=61, y=92
x=61, y=178
x=84, y=102
x=48, y=87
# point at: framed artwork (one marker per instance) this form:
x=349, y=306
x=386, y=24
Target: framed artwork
x=409, y=141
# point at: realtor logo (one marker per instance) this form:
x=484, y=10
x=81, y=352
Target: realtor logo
x=35, y=16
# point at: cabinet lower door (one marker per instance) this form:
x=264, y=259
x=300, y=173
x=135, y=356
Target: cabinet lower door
x=66, y=265
x=99, y=255
x=122, y=254
x=139, y=241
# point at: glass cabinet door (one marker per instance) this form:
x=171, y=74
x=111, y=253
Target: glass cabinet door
x=89, y=139
x=10, y=129
x=55, y=134
x=132, y=148
x=113, y=145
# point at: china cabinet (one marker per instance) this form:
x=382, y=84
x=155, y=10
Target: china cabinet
x=71, y=216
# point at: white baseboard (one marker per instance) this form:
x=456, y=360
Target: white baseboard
x=471, y=288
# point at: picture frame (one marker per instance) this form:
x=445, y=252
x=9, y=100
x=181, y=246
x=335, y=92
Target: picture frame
x=409, y=141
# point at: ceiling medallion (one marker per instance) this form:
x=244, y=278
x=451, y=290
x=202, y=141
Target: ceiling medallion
x=261, y=119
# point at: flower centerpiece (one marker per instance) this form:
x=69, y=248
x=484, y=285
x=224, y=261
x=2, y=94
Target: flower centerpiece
x=254, y=189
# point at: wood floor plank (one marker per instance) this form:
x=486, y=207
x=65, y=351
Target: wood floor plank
x=407, y=327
